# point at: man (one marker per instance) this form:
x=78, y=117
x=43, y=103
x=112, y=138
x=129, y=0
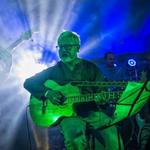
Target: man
x=110, y=70
x=72, y=69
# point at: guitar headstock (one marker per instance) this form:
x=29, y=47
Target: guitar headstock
x=26, y=35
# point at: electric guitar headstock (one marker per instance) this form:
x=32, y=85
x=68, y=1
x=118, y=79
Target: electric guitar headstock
x=24, y=36
x=6, y=56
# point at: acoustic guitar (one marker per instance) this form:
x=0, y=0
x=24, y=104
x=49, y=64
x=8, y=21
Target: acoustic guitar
x=45, y=113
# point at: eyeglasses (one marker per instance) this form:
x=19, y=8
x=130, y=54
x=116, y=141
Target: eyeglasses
x=66, y=47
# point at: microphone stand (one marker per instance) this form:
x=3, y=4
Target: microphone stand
x=132, y=106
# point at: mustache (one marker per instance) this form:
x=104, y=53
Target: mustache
x=65, y=53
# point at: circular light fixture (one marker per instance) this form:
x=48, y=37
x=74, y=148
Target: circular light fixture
x=131, y=62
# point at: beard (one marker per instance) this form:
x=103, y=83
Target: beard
x=67, y=59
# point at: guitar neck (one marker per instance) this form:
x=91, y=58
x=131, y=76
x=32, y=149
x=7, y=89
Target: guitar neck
x=101, y=84
x=14, y=44
x=97, y=97
x=25, y=36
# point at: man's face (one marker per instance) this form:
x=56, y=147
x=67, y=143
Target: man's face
x=68, y=49
x=110, y=60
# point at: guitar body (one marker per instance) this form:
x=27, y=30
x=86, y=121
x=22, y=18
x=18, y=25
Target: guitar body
x=53, y=113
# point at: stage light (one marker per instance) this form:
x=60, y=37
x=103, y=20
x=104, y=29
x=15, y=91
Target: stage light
x=28, y=65
x=132, y=62
x=115, y=65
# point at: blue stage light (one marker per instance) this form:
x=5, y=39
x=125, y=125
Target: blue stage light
x=132, y=62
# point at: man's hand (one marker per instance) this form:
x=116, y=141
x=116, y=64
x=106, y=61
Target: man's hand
x=55, y=97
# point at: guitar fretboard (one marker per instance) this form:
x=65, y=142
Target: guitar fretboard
x=101, y=84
